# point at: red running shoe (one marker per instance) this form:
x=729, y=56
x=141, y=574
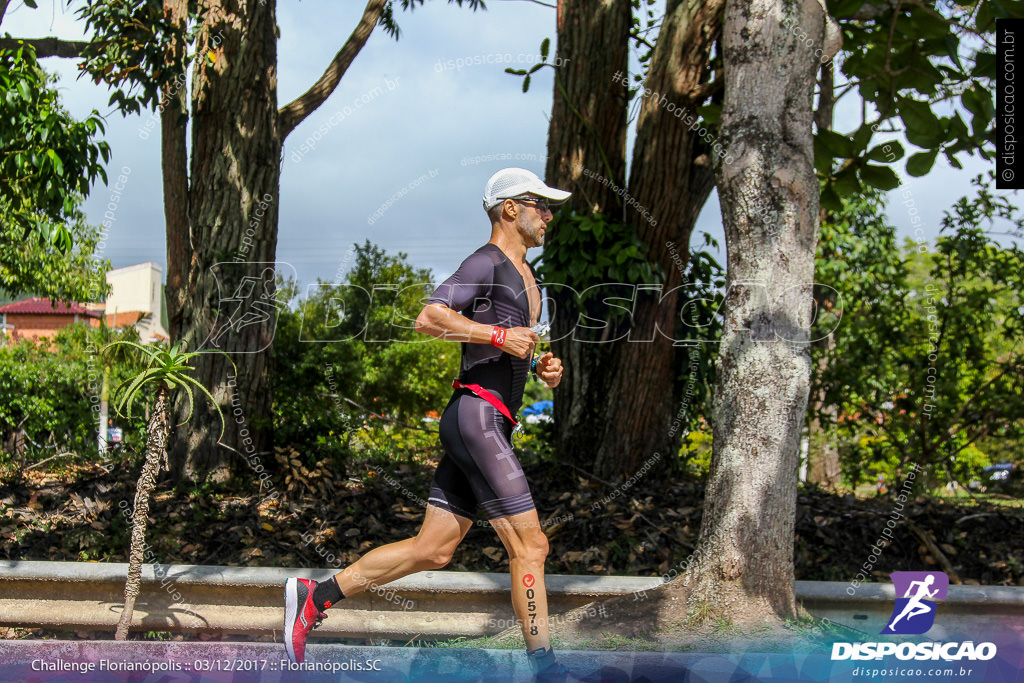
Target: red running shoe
x=300, y=616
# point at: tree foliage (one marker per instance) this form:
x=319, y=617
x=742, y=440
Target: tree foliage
x=607, y=262
x=193, y=61
x=48, y=159
x=129, y=49
x=52, y=387
x=926, y=368
x=29, y=266
x=923, y=68
x=351, y=345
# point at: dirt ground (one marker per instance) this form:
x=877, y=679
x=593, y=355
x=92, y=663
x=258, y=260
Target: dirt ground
x=79, y=513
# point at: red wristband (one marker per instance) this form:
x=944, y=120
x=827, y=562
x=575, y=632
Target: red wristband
x=498, y=336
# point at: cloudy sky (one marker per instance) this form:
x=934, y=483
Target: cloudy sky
x=406, y=120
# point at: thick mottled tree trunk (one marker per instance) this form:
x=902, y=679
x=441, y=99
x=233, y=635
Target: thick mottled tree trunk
x=743, y=568
x=235, y=173
x=226, y=213
x=157, y=429
x=607, y=420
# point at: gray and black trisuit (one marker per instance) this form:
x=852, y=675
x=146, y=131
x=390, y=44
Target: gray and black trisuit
x=479, y=468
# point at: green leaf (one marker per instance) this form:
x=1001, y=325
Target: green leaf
x=843, y=8
x=847, y=184
x=31, y=3
x=526, y=83
x=58, y=166
x=829, y=199
x=887, y=152
x=971, y=99
x=956, y=129
x=984, y=62
x=839, y=146
x=544, y=46
x=711, y=113
x=923, y=127
x=923, y=24
x=952, y=45
x=862, y=137
x=822, y=158
x=881, y=177
x=919, y=164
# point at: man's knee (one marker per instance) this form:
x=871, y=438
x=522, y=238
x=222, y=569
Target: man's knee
x=436, y=557
x=535, y=546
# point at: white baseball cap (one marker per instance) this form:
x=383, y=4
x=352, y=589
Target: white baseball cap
x=509, y=183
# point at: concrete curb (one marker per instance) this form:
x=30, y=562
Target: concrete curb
x=428, y=605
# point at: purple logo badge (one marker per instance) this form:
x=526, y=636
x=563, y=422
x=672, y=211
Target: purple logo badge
x=914, y=612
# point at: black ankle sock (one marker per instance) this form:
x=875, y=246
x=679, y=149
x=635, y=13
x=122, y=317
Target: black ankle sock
x=541, y=659
x=326, y=594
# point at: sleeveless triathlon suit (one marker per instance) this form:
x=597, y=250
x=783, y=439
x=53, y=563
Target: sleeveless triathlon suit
x=479, y=468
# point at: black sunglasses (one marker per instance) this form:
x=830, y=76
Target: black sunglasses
x=541, y=203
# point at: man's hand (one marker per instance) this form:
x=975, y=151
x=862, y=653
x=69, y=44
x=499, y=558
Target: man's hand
x=549, y=369
x=519, y=341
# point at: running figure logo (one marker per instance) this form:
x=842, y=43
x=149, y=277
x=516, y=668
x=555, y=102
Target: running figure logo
x=248, y=297
x=914, y=613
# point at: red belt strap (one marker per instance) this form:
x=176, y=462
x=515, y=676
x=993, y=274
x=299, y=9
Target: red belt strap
x=487, y=396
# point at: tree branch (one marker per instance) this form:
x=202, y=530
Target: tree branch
x=826, y=98
x=174, y=167
x=46, y=47
x=295, y=112
x=869, y=11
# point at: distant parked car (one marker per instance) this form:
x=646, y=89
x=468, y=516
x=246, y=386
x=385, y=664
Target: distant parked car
x=538, y=412
x=999, y=476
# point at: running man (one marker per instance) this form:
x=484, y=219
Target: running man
x=495, y=291
x=914, y=606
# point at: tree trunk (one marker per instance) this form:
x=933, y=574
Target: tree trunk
x=233, y=196
x=743, y=565
x=587, y=132
x=608, y=421
x=157, y=430
x=174, y=169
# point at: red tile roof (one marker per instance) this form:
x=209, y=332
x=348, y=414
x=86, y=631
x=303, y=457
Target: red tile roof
x=42, y=306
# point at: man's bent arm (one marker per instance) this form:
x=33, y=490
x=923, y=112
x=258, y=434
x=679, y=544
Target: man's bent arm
x=439, y=321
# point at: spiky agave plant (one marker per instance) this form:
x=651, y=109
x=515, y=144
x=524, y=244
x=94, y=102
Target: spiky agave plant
x=166, y=371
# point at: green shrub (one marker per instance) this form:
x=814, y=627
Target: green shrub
x=51, y=390
x=331, y=372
